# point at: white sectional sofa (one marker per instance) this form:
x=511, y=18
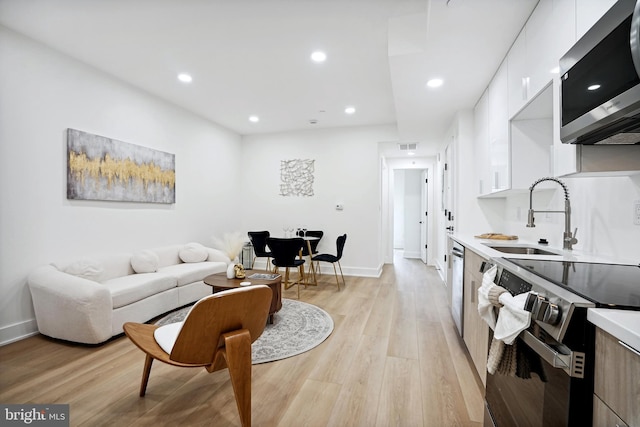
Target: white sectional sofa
x=88, y=300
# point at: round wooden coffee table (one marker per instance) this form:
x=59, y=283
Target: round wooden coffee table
x=219, y=282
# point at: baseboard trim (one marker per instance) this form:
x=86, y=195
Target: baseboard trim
x=18, y=331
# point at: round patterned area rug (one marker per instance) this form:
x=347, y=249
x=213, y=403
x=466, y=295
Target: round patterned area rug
x=297, y=327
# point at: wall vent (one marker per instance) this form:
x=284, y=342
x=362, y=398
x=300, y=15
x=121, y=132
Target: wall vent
x=408, y=147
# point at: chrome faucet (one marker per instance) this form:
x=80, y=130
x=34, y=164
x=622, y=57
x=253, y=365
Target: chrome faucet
x=568, y=239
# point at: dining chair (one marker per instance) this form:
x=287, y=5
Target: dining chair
x=217, y=333
x=314, y=249
x=259, y=242
x=334, y=259
x=285, y=253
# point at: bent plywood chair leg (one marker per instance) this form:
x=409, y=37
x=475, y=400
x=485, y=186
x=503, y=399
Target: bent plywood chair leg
x=238, y=356
x=145, y=375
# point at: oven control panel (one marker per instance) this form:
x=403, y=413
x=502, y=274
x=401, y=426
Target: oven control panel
x=514, y=284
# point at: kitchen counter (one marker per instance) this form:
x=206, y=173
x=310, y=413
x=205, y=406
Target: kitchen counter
x=482, y=247
x=622, y=324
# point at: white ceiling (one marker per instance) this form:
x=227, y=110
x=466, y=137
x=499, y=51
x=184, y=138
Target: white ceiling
x=252, y=56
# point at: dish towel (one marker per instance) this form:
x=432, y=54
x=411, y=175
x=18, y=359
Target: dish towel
x=512, y=318
x=485, y=306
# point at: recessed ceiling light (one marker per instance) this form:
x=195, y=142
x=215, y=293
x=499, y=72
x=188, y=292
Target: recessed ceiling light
x=593, y=87
x=318, y=56
x=350, y=110
x=254, y=119
x=185, y=78
x=435, y=83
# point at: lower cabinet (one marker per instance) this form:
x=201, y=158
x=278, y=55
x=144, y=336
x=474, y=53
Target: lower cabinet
x=604, y=416
x=476, y=330
x=617, y=383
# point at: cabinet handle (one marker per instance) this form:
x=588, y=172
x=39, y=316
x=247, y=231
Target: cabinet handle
x=473, y=291
x=525, y=88
x=627, y=346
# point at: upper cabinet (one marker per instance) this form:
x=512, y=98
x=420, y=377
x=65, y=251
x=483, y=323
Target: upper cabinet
x=533, y=58
x=499, y=163
x=492, y=136
x=517, y=118
x=588, y=12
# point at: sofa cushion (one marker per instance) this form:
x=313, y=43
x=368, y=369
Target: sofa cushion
x=145, y=261
x=135, y=287
x=193, y=271
x=87, y=268
x=217, y=255
x=193, y=252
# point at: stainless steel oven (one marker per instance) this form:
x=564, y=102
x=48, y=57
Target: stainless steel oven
x=557, y=352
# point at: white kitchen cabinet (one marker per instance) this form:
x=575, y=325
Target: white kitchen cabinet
x=481, y=142
x=518, y=73
x=492, y=135
x=588, y=12
x=529, y=145
x=534, y=56
x=499, y=164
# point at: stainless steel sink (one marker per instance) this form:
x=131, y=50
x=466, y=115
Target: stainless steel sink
x=524, y=250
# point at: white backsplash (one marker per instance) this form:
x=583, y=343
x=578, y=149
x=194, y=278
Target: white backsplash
x=602, y=210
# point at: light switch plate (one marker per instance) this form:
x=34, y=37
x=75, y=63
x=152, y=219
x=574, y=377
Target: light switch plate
x=636, y=212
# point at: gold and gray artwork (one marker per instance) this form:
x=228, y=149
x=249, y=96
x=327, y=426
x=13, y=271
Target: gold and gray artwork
x=100, y=168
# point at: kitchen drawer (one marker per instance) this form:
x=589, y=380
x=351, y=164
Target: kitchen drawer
x=617, y=377
x=604, y=416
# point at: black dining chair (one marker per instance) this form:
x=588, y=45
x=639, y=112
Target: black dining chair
x=314, y=248
x=259, y=242
x=334, y=259
x=285, y=254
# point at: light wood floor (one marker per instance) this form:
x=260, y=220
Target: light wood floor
x=394, y=359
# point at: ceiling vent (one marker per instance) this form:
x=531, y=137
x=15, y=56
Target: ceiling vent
x=408, y=147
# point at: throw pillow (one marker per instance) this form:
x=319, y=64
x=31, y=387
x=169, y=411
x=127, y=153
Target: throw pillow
x=217, y=255
x=145, y=261
x=86, y=268
x=193, y=252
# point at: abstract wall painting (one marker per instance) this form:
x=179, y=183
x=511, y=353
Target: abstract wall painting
x=296, y=177
x=100, y=168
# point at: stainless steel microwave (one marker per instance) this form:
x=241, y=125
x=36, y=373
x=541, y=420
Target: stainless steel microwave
x=600, y=83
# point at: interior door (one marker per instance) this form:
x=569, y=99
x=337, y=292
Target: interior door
x=424, y=206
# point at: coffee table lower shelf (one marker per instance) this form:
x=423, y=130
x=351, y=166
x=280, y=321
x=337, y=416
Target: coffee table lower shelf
x=219, y=282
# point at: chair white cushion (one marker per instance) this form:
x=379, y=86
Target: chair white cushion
x=193, y=252
x=145, y=261
x=166, y=335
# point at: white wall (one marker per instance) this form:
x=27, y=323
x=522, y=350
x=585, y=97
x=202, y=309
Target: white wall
x=42, y=93
x=347, y=171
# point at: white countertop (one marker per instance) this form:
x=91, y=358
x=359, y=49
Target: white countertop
x=622, y=324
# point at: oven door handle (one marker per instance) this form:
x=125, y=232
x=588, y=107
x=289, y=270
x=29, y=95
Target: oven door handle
x=572, y=364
